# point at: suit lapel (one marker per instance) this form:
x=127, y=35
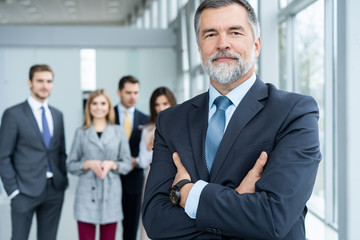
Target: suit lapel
x=247, y=109
x=117, y=120
x=56, y=125
x=136, y=121
x=30, y=115
x=94, y=138
x=197, y=129
x=107, y=136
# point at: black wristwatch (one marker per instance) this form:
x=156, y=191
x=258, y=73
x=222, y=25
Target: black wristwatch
x=174, y=192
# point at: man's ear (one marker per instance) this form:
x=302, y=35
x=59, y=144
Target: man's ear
x=118, y=92
x=257, y=47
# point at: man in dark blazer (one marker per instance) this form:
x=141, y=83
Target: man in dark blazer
x=33, y=159
x=133, y=182
x=206, y=198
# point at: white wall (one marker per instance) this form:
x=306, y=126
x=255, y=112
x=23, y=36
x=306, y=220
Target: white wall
x=66, y=94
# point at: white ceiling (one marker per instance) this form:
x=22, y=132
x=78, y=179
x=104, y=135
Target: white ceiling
x=69, y=12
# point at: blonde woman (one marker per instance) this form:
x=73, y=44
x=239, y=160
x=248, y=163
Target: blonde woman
x=99, y=154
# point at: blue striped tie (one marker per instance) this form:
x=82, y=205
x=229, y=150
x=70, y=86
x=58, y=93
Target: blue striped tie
x=46, y=137
x=46, y=132
x=215, y=130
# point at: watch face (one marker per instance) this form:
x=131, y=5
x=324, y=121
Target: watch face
x=174, y=196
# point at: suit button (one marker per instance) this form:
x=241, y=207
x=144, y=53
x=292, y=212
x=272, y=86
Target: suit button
x=218, y=231
x=93, y=200
x=93, y=188
x=209, y=229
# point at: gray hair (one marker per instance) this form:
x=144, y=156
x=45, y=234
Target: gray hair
x=252, y=19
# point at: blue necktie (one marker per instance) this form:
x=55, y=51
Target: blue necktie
x=46, y=132
x=215, y=130
x=47, y=138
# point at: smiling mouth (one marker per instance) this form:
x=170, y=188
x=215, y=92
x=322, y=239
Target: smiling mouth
x=224, y=59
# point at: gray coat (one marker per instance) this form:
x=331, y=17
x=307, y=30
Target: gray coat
x=99, y=201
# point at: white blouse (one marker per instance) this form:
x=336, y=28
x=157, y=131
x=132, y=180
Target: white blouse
x=145, y=156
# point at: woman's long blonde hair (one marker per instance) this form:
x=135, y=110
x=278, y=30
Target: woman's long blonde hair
x=88, y=118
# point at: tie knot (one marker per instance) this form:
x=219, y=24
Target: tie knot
x=42, y=108
x=222, y=102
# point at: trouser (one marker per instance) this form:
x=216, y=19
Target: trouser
x=47, y=207
x=87, y=231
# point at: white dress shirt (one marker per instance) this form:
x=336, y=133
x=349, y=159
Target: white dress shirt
x=37, y=111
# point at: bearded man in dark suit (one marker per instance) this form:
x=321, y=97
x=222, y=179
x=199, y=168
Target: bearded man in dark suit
x=215, y=138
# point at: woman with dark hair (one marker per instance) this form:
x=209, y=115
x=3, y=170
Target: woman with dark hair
x=100, y=153
x=161, y=99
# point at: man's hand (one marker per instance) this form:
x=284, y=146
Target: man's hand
x=247, y=185
x=133, y=162
x=182, y=173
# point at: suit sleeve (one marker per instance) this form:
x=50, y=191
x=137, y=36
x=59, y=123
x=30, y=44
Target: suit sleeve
x=75, y=165
x=8, y=140
x=281, y=193
x=161, y=219
x=62, y=146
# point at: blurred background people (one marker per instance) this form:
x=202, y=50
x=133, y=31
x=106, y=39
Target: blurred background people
x=99, y=153
x=33, y=159
x=161, y=99
x=133, y=121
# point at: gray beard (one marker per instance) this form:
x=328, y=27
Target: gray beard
x=226, y=72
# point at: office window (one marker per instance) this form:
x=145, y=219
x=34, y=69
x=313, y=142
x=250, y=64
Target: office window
x=164, y=14
x=284, y=3
x=146, y=18
x=155, y=14
x=283, y=74
x=88, y=69
x=309, y=75
x=302, y=48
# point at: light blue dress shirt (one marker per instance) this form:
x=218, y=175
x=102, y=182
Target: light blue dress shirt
x=122, y=114
x=236, y=95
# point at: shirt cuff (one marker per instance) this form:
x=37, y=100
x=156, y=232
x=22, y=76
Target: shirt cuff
x=192, y=202
x=14, y=194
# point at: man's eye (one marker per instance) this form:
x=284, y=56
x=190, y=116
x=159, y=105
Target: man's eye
x=210, y=35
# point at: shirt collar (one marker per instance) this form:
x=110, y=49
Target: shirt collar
x=122, y=109
x=36, y=105
x=235, y=95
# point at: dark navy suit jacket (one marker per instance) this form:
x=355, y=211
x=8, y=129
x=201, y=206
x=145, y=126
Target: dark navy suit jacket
x=282, y=124
x=23, y=155
x=133, y=181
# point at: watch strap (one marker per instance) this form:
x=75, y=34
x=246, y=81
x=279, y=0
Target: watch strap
x=181, y=183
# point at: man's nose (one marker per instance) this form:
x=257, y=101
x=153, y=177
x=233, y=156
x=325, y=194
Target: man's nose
x=223, y=43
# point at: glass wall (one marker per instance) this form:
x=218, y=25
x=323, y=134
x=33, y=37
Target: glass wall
x=305, y=68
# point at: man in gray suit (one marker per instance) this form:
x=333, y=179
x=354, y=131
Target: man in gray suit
x=33, y=159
